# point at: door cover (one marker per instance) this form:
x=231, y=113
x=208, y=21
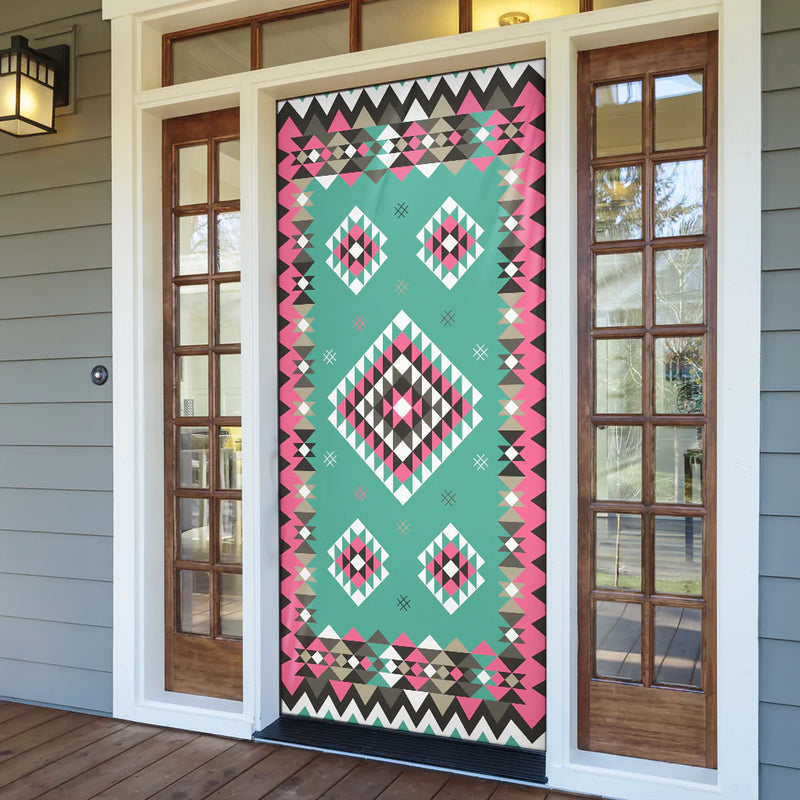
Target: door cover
x=411, y=333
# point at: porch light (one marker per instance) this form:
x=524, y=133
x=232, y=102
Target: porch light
x=513, y=18
x=32, y=84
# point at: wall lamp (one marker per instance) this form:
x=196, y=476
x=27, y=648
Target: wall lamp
x=33, y=83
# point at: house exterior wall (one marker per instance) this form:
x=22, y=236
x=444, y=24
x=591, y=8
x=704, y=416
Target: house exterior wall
x=55, y=425
x=780, y=408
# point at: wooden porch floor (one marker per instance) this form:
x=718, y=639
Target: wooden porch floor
x=46, y=753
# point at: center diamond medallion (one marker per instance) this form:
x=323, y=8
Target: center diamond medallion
x=450, y=568
x=450, y=243
x=358, y=562
x=356, y=252
x=404, y=407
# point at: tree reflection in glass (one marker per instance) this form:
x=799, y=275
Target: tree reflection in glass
x=679, y=198
x=618, y=203
x=618, y=289
x=679, y=286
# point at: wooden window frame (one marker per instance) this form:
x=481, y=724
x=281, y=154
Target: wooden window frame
x=636, y=719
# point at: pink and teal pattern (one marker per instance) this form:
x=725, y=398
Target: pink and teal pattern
x=358, y=562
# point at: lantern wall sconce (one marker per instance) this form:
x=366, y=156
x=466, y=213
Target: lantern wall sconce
x=33, y=83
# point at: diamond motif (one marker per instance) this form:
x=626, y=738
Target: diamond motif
x=450, y=243
x=450, y=568
x=356, y=250
x=358, y=562
x=404, y=407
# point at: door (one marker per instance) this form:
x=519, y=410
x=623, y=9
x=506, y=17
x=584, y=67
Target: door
x=412, y=419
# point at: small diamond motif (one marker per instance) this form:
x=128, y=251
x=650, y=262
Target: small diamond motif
x=451, y=568
x=356, y=250
x=358, y=562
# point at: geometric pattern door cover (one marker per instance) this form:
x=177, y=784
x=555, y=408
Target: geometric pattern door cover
x=412, y=372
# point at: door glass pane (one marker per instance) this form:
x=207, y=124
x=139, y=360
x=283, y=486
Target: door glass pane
x=193, y=314
x=679, y=286
x=618, y=118
x=618, y=375
x=230, y=313
x=618, y=551
x=230, y=385
x=230, y=604
x=230, y=531
x=193, y=458
x=193, y=244
x=618, y=634
x=304, y=38
x=679, y=555
x=385, y=22
x=679, y=198
x=678, y=646
x=192, y=386
x=486, y=13
x=193, y=611
x=220, y=53
x=679, y=375
x=193, y=525
x=679, y=111
x=679, y=464
x=192, y=175
x=618, y=289
x=619, y=462
x=228, y=170
x=618, y=203
x=229, y=242
x=230, y=458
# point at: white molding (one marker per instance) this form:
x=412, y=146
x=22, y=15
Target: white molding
x=138, y=107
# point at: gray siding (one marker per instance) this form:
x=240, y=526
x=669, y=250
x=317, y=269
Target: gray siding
x=780, y=408
x=55, y=425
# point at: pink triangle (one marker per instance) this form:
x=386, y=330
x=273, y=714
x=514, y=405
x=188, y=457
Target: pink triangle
x=403, y=641
x=339, y=123
x=497, y=664
x=401, y=172
x=483, y=649
x=314, y=141
x=415, y=129
x=497, y=118
x=341, y=688
x=318, y=669
x=497, y=692
x=482, y=163
x=353, y=636
x=350, y=177
x=470, y=105
x=417, y=681
x=470, y=705
x=288, y=132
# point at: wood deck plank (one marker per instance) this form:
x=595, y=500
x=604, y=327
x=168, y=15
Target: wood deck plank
x=460, y=786
x=94, y=781
x=421, y=784
x=22, y=742
x=209, y=777
x=168, y=769
x=315, y=778
x=9, y=710
x=367, y=780
x=513, y=791
x=277, y=767
x=30, y=718
x=49, y=752
x=37, y=783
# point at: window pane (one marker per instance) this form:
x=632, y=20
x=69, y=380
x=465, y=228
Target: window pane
x=230, y=385
x=679, y=375
x=193, y=614
x=193, y=458
x=230, y=604
x=679, y=555
x=193, y=245
x=679, y=111
x=679, y=286
x=220, y=53
x=193, y=314
x=386, y=22
x=618, y=118
x=230, y=531
x=679, y=198
x=486, y=13
x=679, y=464
x=619, y=462
x=618, y=289
x=678, y=646
x=193, y=525
x=303, y=38
x=230, y=458
x=228, y=180
x=192, y=175
x=618, y=203
x=618, y=551
x=618, y=632
x=192, y=386
x=230, y=313
x=618, y=373
x=229, y=242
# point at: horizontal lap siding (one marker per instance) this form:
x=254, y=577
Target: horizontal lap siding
x=779, y=595
x=55, y=425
